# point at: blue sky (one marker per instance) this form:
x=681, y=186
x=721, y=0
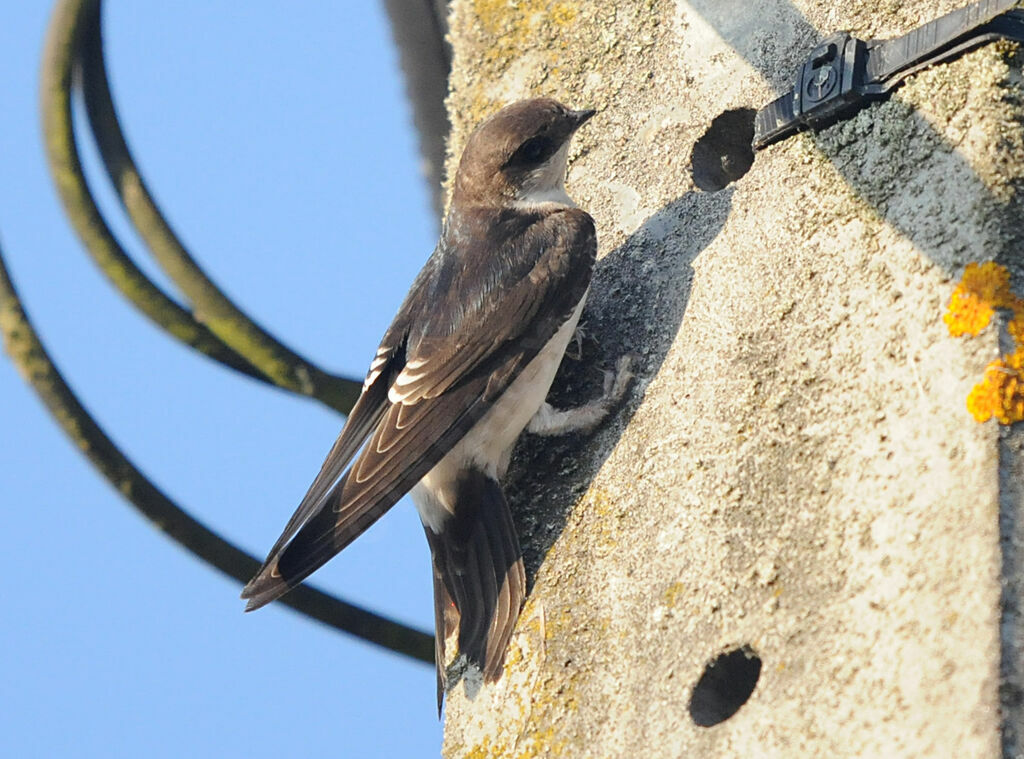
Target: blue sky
x=278, y=141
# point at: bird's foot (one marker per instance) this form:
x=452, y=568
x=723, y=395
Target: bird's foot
x=575, y=349
x=551, y=421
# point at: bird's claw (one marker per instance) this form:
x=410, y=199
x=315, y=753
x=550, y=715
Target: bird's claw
x=617, y=381
x=575, y=349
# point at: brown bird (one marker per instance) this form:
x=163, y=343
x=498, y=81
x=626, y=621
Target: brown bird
x=463, y=369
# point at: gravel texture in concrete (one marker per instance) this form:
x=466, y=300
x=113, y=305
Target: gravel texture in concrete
x=795, y=476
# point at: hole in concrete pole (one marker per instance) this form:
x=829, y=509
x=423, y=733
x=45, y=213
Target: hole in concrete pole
x=725, y=686
x=724, y=153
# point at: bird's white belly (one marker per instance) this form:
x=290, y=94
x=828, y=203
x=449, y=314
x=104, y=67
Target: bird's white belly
x=488, y=444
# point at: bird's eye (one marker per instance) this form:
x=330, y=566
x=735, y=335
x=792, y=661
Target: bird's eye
x=532, y=152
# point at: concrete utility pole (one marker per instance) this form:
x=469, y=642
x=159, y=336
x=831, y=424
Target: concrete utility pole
x=797, y=485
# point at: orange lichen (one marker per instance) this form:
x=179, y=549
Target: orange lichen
x=983, y=288
x=1001, y=393
x=1016, y=325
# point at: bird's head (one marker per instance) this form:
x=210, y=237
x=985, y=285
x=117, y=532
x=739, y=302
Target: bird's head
x=518, y=155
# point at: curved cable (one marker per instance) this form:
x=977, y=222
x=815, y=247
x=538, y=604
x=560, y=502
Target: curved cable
x=420, y=29
x=73, y=48
x=23, y=345
x=276, y=361
x=99, y=240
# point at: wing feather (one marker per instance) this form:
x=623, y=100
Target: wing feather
x=455, y=360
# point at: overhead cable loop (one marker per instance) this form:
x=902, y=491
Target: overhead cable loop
x=22, y=343
x=62, y=39
x=73, y=47
x=281, y=365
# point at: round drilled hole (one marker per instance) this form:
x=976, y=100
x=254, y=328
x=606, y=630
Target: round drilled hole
x=725, y=686
x=724, y=153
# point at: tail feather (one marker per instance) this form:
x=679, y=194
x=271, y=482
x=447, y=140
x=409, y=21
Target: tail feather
x=511, y=595
x=478, y=567
x=445, y=620
x=479, y=596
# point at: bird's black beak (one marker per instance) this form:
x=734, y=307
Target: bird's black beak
x=579, y=118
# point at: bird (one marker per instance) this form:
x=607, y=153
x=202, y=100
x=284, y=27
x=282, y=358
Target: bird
x=463, y=369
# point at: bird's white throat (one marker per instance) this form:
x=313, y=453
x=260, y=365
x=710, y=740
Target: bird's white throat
x=546, y=185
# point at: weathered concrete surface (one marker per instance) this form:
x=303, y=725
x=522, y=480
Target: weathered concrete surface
x=796, y=471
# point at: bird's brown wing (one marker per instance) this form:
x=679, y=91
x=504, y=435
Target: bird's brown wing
x=455, y=366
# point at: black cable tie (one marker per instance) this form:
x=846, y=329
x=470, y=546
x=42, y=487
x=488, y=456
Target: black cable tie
x=843, y=74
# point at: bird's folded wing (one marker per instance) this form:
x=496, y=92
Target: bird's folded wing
x=452, y=374
x=362, y=420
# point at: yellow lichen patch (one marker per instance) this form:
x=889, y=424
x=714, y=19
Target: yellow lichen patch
x=673, y=593
x=514, y=655
x=563, y=14
x=559, y=624
x=495, y=14
x=983, y=288
x=1001, y=393
x=514, y=26
x=1016, y=325
x=482, y=750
